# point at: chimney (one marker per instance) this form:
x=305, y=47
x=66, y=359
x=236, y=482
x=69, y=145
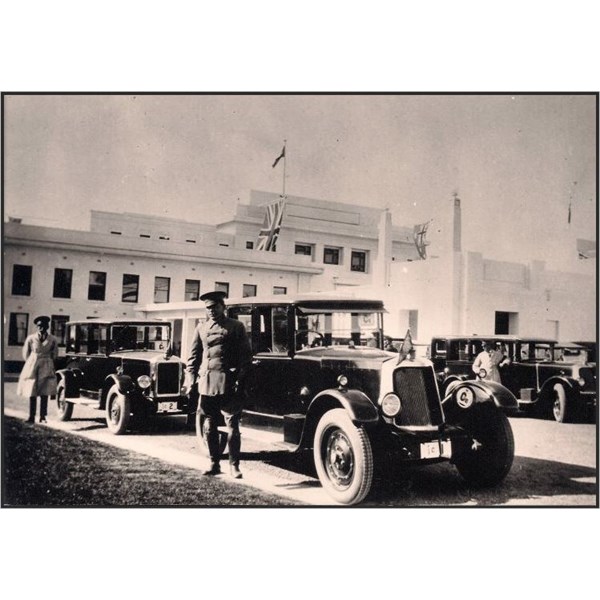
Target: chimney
x=457, y=225
x=384, y=251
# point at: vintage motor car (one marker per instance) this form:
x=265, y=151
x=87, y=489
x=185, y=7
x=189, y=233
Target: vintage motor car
x=123, y=367
x=550, y=379
x=319, y=382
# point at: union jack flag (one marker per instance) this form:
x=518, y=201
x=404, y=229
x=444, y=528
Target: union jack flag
x=267, y=238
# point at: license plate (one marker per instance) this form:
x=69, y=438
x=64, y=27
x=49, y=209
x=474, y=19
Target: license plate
x=167, y=406
x=430, y=450
x=436, y=449
x=446, y=448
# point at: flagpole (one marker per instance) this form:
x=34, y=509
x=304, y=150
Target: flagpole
x=284, y=159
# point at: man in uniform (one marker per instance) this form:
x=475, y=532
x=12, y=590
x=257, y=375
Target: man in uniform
x=220, y=355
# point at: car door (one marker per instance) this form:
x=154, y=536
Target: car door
x=271, y=384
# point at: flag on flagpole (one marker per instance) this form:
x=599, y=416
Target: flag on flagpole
x=406, y=348
x=419, y=237
x=282, y=155
x=267, y=238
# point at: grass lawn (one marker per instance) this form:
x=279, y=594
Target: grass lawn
x=44, y=467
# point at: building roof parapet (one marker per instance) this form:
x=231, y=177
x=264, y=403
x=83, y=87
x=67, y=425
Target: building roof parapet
x=32, y=235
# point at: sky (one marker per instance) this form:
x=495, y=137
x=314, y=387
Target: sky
x=516, y=161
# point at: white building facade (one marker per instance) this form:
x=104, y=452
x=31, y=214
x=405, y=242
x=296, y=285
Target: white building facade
x=131, y=265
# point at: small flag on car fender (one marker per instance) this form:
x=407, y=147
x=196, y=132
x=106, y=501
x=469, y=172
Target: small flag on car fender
x=406, y=348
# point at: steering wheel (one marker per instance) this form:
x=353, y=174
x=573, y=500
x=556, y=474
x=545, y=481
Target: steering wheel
x=318, y=341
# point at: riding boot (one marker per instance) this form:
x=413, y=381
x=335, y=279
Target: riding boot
x=43, y=408
x=32, y=406
x=212, y=441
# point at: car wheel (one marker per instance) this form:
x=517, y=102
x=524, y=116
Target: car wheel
x=560, y=409
x=64, y=408
x=201, y=435
x=118, y=411
x=488, y=457
x=343, y=457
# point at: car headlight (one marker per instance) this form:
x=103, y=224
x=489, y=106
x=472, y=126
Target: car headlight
x=391, y=405
x=144, y=381
x=581, y=381
x=342, y=381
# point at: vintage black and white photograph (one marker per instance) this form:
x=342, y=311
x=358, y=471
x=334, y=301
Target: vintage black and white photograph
x=370, y=300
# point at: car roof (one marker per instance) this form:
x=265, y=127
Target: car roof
x=499, y=337
x=119, y=322
x=311, y=300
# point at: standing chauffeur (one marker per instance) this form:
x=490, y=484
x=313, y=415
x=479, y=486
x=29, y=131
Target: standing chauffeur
x=221, y=355
x=38, y=377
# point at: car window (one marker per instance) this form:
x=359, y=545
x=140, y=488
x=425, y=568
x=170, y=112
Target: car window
x=337, y=328
x=140, y=337
x=279, y=327
x=439, y=348
x=244, y=315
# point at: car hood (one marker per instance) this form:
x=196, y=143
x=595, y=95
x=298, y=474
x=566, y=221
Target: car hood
x=361, y=357
x=145, y=355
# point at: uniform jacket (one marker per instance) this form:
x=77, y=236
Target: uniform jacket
x=38, y=377
x=220, y=356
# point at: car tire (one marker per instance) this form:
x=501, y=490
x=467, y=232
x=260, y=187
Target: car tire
x=559, y=408
x=64, y=409
x=343, y=457
x=118, y=411
x=201, y=436
x=486, y=460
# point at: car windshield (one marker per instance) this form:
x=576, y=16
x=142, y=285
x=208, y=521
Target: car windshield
x=338, y=328
x=570, y=354
x=140, y=337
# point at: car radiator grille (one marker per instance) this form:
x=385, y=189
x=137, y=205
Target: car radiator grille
x=168, y=379
x=418, y=393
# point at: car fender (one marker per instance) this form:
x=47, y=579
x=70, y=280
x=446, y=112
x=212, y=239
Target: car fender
x=569, y=384
x=71, y=379
x=357, y=404
x=447, y=379
x=124, y=382
x=482, y=392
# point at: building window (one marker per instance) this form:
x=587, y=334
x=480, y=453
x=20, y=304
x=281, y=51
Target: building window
x=97, y=286
x=116, y=233
x=164, y=237
x=63, y=279
x=21, y=282
x=191, y=241
x=17, y=328
x=358, y=261
x=162, y=288
x=222, y=286
x=224, y=245
x=331, y=256
x=249, y=245
x=131, y=286
x=248, y=290
x=192, y=290
x=303, y=249
x=279, y=290
x=58, y=328
x=145, y=235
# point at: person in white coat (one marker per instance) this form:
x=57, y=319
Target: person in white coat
x=38, y=377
